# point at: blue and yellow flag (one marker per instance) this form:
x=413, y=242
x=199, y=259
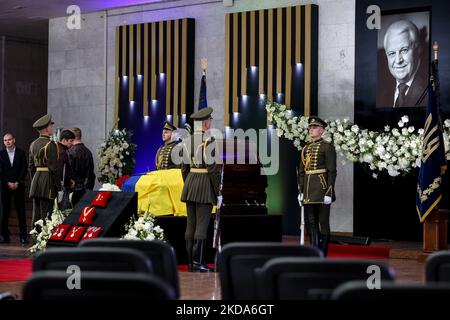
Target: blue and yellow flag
x=202, y=102
x=433, y=163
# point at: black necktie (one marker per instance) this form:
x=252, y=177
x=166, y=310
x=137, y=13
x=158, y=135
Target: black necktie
x=402, y=88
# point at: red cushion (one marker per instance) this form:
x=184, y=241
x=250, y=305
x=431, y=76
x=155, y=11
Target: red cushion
x=60, y=232
x=87, y=215
x=92, y=232
x=75, y=234
x=101, y=199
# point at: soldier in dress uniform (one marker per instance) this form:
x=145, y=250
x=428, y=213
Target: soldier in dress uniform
x=163, y=159
x=316, y=183
x=43, y=169
x=201, y=188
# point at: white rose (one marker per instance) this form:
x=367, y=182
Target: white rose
x=405, y=119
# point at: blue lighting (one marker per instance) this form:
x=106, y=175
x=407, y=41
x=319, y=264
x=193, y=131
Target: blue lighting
x=253, y=69
x=169, y=117
x=262, y=96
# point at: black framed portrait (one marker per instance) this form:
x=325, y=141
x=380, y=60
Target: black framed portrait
x=403, y=56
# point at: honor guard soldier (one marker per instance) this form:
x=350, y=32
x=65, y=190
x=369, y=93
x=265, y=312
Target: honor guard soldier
x=43, y=169
x=163, y=159
x=316, y=183
x=201, y=188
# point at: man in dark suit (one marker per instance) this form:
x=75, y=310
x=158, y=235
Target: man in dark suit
x=82, y=166
x=403, y=52
x=14, y=170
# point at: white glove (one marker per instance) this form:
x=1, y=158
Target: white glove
x=219, y=202
x=300, y=199
x=326, y=200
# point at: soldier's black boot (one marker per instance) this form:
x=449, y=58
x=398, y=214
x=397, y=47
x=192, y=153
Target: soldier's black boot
x=314, y=238
x=199, y=251
x=189, y=247
x=324, y=240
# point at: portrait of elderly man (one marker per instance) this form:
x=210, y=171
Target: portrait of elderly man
x=406, y=83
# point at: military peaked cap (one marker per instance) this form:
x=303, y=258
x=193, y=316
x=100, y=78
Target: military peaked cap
x=202, y=114
x=316, y=121
x=43, y=122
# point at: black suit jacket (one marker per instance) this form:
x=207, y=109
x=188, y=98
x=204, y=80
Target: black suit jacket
x=18, y=171
x=413, y=97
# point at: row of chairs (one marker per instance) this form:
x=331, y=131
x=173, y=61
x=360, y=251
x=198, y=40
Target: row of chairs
x=283, y=272
x=109, y=269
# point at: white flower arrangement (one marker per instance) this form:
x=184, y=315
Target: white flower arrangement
x=116, y=156
x=394, y=150
x=44, y=229
x=109, y=187
x=144, y=228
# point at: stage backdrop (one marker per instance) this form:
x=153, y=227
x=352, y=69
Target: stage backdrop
x=385, y=207
x=272, y=55
x=154, y=81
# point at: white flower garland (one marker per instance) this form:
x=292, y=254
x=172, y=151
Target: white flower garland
x=395, y=150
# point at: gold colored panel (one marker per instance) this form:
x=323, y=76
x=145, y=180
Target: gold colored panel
x=117, y=82
x=244, y=54
x=145, y=100
x=253, y=38
x=279, y=49
x=169, y=68
x=124, y=51
x=261, y=65
x=270, y=56
x=288, y=72
x=298, y=34
x=184, y=27
x=138, y=49
x=153, y=62
x=226, y=98
x=176, y=71
x=161, y=47
x=308, y=60
x=234, y=62
x=131, y=64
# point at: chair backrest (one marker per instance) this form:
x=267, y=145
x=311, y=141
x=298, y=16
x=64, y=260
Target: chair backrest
x=8, y=296
x=438, y=267
x=238, y=261
x=300, y=278
x=97, y=286
x=93, y=259
x=357, y=290
x=160, y=253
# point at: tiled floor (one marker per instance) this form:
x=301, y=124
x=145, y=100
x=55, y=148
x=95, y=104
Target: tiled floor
x=206, y=286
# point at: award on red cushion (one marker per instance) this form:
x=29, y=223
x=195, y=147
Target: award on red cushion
x=87, y=215
x=75, y=234
x=101, y=199
x=60, y=232
x=92, y=232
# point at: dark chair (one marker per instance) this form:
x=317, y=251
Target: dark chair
x=357, y=290
x=93, y=259
x=161, y=254
x=97, y=286
x=238, y=261
x=312, y=279
x=438, y=267
x=8, y=296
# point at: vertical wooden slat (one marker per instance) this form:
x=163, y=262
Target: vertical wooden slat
x=244, y=54
x=138, y=49
x=298, y=34
x=117, y=84
x=153, y=62
x=124, y=51
x=169, y=67
x=145, y=100
x=176, y=72
x=307, y=60
x=234, y=63
x=270, y=56
x=288, y=72
x=226, y=98
x=252, y=38
x=161, y=47
x=183, y=66
x=261, y=65
x=279, y=49
x=131, y=64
